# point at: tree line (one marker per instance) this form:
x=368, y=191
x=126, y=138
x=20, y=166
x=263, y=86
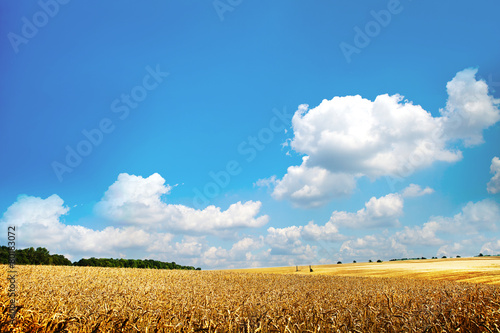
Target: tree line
x=130, y=263
x=42, y=256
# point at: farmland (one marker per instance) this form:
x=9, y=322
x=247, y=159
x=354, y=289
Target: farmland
x=95, y=299
x=474, y=270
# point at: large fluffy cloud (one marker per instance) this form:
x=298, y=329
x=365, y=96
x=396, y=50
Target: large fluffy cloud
x=349, y=137
x=352, y=134
x=134, y=200
x=493, y=185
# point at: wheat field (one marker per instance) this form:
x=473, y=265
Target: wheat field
x=91, y=299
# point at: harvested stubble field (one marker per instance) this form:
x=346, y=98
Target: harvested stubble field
x=89, y=299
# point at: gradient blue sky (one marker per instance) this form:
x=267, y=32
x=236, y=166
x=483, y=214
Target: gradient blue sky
x=232, y=65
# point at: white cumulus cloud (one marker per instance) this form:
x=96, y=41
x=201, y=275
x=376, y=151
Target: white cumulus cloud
x=38, y=223
x=134, y=200
x=327, y=232
x=378, y=212
x=349, y=137
x=414, y=190
x=493, y=185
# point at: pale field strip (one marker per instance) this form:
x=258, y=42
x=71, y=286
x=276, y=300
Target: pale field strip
x=334, y=298
x=473, y=270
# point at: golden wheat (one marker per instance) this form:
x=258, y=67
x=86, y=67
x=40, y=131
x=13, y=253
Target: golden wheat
x=91, y=299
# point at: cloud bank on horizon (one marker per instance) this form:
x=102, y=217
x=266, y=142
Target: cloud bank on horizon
x=342, y=140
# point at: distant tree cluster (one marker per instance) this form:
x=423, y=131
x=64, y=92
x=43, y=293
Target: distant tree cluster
x=42, y=256
x=30, y=256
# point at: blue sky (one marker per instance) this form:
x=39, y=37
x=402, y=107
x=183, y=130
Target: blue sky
x=164, y=130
